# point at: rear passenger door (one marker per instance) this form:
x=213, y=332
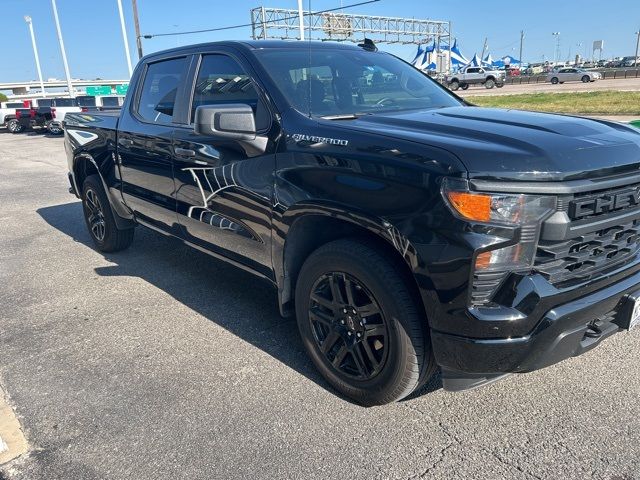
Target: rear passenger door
x=224, y=187
x=144, y=143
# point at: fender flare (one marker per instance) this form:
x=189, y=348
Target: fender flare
x=124, y=219
x=376, y=227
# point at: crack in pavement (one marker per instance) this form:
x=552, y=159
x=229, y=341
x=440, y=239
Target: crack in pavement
x=517, y=467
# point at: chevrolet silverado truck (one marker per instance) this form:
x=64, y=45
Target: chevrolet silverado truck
x=408, y=232
x=486, y=76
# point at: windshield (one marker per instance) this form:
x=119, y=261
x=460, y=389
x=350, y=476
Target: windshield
x=333, y=82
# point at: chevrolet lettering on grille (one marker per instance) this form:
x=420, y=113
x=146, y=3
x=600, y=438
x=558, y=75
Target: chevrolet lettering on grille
x=585, y=207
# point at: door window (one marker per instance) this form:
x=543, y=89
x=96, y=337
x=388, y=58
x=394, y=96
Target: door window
x=222, y=81
x=159, y=90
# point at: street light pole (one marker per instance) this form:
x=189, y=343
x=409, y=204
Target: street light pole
x=521, y=41
x=136, y=24
x=64, y=54
x=557, y=56
x=27, y=19
x=301, y=19
x=637, y=48
x=124, y=38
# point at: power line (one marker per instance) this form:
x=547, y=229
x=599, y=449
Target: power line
x=244, y=25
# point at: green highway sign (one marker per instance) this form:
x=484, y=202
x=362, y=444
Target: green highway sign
x=99, y=90
x=122, y=89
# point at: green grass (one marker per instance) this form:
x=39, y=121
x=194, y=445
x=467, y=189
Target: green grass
x=586, y=103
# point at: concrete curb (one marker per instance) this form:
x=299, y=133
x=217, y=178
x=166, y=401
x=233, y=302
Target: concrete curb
x=12, y=441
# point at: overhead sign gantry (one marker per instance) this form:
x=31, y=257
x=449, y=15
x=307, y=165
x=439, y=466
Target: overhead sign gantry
x=285, y=24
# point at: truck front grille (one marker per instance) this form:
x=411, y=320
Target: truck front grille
x=589, y=255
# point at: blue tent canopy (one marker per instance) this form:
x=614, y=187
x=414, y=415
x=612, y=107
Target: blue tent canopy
x=418, y=56
x=509, y=60
x=475, y=61
x=457, y=58
x=488, y=60
x=422, y=55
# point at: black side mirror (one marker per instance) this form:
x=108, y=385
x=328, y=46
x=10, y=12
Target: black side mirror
x=232, y=121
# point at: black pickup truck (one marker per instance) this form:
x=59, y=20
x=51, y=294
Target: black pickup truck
x=408, y=232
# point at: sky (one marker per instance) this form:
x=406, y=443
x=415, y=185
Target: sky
x=94, y=45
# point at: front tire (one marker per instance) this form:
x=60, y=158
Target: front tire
x=586, y=79
x=464, y=86
x=454, y=85
x=360, y=323
x=555, y=81
x=490, y=83
x=100, y=220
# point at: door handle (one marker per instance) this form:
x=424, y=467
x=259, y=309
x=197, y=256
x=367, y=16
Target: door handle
x=185, y=152
x=125, y=142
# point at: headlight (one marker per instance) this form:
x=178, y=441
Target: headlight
x=524, y=211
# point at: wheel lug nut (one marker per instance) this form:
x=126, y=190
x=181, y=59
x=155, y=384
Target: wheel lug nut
x=364, y=320
x=358, y=334
x=344, y=310
x=349, y=333
x=342, y=322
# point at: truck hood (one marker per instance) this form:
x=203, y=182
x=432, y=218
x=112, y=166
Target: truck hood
x=515, y=145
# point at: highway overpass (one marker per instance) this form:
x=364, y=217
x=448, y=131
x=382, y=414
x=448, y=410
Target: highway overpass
x=21, y=89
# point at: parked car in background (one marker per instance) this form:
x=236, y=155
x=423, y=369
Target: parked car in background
x=486, y=76
x=573, y=75
x=100, y=103
x=35, y=118
x=8, y=111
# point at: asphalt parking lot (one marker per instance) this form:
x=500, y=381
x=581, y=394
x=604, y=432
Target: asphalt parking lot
x=161, y=362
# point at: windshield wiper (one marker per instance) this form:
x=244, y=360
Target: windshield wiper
x=345, y=116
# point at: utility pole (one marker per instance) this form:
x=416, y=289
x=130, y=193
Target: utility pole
x=521, y=41
x=27, y=19
x=136, y=24
x=637, y=48
x=484, y=48
x=124, y=38
x=64, y=54
x=301, y=19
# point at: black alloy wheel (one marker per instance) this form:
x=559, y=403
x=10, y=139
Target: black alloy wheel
x=95, y=214
x=348, y=326
x=362, y=323
x=100, y=218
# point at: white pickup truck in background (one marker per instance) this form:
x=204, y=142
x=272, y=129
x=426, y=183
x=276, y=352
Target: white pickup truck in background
x=486, y=76
x=8, y=111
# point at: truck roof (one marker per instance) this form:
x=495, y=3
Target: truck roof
x=256, y=45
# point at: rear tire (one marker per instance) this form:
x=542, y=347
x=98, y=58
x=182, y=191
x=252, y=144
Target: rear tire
x=100, y=220
x=490, y=83
x=464, y=86
x=586, y=79
x=54, y=129
x=555, y=80
x=14, y=126
x=379, y=350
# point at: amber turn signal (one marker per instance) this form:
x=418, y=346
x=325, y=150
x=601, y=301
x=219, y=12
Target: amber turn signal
x=472, y=206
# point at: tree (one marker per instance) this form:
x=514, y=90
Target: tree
x=3, y=97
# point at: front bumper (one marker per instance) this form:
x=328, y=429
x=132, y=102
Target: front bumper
x=565, y=330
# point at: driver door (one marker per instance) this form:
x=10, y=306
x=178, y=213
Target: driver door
x=224, y=187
